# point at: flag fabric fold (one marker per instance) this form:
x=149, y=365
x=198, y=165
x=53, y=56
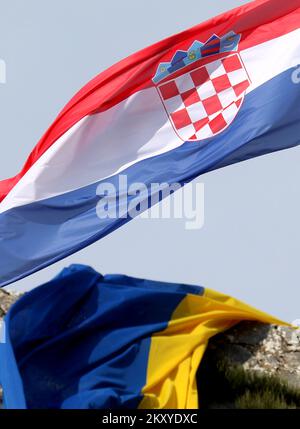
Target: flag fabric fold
x=86, y=341
x=219, y=93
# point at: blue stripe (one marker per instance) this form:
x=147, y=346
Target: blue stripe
x=38, y=234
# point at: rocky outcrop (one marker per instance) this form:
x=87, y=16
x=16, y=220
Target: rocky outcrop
x=259, y=348
x=251, y=366
x=6, y=300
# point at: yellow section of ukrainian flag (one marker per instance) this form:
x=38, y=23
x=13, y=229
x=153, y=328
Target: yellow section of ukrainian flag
x=176, y=352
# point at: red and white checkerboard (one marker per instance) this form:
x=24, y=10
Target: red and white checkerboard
x=204, y=101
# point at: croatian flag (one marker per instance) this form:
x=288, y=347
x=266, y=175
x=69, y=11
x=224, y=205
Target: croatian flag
x=219, y=93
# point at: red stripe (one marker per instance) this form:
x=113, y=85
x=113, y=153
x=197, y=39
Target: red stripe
x=210, y=51
x=258, y=22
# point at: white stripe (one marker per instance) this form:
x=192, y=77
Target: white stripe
x=138, y=128
x=269, y=59
x=98, y=147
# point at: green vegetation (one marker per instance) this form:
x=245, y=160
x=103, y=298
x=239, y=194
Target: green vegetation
x=220, y=386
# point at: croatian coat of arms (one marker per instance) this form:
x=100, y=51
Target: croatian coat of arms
x=203, y=88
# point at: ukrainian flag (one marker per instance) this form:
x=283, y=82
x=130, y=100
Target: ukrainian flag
x=85, y=340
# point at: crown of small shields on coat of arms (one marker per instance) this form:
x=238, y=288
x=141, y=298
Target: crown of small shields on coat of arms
x=214, y=45
x=202, y=98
